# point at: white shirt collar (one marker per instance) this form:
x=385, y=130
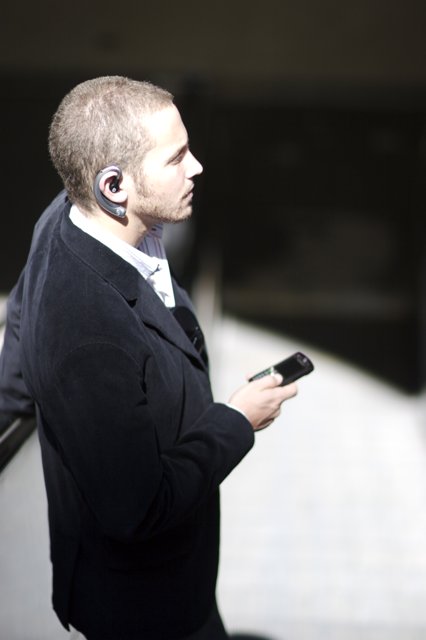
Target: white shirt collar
x=149, y=258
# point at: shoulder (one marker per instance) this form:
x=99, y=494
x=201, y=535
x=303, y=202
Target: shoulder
x=49, y=218
x=52, y=212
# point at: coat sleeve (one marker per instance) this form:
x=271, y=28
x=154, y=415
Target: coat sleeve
x=105, y=432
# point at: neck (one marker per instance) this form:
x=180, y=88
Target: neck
x=130, y=229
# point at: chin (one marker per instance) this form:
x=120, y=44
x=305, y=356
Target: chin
x=181, y=216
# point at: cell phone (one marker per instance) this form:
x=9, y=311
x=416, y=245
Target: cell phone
x=291, y=368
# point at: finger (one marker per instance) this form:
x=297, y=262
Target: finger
x=290, y=390
x=264, y=425
x=280, y=394
x=268, y=382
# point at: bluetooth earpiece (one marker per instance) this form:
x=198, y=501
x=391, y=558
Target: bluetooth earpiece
x=115, y=184
x=105, y=203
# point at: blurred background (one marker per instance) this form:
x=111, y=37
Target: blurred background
x=308, y=232
x=309, y=118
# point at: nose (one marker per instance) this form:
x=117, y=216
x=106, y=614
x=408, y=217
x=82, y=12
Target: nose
x=194, y=167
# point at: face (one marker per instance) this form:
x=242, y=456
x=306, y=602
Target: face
x=168, y=169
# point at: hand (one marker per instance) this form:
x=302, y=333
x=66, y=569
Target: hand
x=261, y=400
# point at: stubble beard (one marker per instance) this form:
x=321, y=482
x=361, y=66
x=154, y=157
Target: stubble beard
x=152, y=210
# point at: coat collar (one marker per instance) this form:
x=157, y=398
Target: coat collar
x=130, y=285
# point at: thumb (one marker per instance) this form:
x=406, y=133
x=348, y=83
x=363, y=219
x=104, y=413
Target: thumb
x=270, y=381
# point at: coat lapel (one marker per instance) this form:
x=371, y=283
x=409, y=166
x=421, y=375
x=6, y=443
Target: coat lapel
x=132, y=286
x=156, y=315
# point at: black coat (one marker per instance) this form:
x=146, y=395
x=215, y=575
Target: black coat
x=133, y=446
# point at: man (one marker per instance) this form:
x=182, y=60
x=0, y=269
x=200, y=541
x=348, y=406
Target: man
x=134, y=448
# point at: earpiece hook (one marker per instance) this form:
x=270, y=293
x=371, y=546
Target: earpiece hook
x=105, y=203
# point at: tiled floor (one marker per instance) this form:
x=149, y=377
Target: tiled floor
x=324, y=522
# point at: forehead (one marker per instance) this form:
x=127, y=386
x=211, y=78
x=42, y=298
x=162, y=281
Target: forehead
x=166, y=130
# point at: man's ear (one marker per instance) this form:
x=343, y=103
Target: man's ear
x=108, y=192
x=110, y=185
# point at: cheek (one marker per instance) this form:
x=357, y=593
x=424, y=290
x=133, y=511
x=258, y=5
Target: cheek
x=169, y=182
x=174, y=182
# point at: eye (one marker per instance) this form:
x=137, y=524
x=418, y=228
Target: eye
x=179, y=156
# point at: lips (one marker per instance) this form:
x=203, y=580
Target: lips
x=188, y=194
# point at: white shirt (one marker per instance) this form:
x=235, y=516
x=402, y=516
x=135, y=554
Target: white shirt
x=149, y=258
